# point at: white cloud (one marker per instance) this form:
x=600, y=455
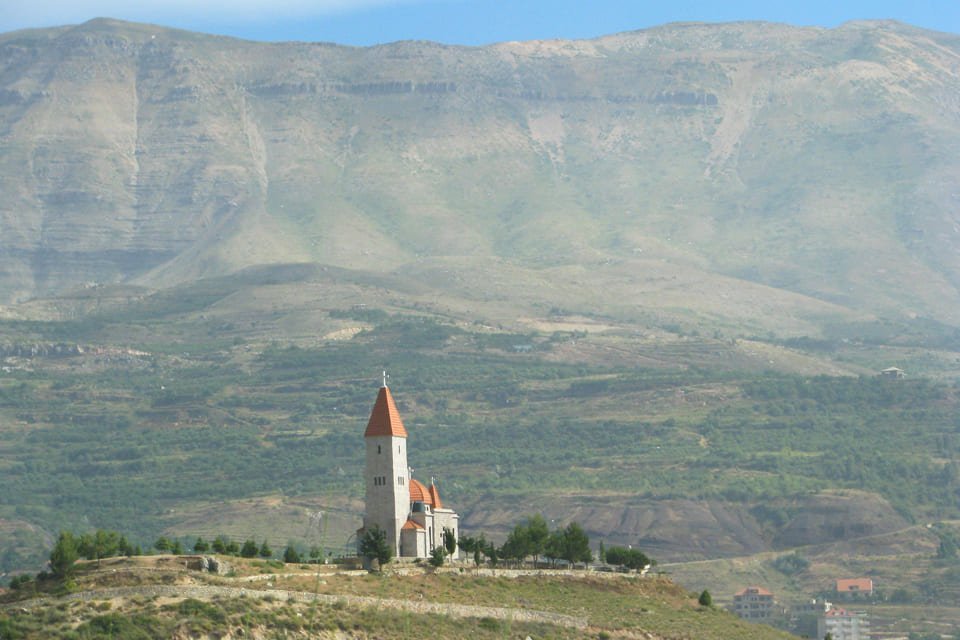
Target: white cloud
x=19, y=14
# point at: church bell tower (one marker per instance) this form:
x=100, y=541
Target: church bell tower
x=387, y=475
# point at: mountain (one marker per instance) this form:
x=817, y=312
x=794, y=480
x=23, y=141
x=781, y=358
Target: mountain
x=749, y=176
x=642, y=282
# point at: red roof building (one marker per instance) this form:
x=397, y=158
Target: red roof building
x=855, y=586
x=753, y=603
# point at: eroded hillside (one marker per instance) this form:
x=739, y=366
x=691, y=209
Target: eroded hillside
x=695, y=170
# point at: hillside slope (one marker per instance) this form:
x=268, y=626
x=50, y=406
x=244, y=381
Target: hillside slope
x=158, y=597
x=751, y=175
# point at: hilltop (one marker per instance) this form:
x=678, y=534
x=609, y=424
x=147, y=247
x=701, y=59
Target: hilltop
x=158, y=596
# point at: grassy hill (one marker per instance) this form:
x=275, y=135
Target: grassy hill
x=157, y=597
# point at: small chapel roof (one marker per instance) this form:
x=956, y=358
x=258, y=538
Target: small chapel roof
x=411, y=524
x=384, y=418
x=420, y=493
x=435, y=497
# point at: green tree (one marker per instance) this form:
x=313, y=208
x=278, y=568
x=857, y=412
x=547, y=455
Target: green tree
x=176, y=548
x=200, y=546
x=517, y=545
x=554, y=547
x=449, y=541
x=490, y=550
x=249, y=549
x=629, y=558
x=437, y=556
x=473, y=546
x=536, y=535
x=374, y=545
x=126, y=547
x=219, y=544
x=705, y=599
x=291, y=555
x=467, y=543
x=101, y=544
x=163, y=544
x=265, y=550
x=64, y=555
x=575, y=544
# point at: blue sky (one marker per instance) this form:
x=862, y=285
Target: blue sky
x=471, y=22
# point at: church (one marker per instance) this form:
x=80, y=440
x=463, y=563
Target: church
x=411, y=514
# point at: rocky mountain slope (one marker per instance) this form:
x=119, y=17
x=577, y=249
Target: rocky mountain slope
x=751, y=175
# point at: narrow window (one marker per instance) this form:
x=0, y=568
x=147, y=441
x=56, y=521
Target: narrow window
x=378, y=449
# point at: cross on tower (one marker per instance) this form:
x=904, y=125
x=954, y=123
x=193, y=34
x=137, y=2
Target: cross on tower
x=385, y=377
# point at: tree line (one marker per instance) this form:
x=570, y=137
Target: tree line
x=531, y=538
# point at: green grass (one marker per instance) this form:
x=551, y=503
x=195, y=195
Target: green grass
x=610, y=604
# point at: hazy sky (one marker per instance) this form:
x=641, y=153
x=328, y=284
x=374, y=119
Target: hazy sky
x=364, y=22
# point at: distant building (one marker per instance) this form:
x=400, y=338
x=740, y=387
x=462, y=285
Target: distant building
x=854, y=587
x=843, y=625
x=817, y=606
x=411, y=514
x=893, y=373
x=754, y=603
x=805, y=616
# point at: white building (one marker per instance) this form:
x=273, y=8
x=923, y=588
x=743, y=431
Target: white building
x=411, y=514
x=843, y=625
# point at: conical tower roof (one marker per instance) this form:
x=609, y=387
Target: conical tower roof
x=385, y=419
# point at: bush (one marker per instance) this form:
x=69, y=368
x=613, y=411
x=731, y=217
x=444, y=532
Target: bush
x=791, y=564
x=705, y=599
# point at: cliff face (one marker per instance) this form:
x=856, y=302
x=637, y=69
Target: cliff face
x=818, y=163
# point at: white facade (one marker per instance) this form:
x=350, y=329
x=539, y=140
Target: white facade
x=388, y=480
x=843, y=625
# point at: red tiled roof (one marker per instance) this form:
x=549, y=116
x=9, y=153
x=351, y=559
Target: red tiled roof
x=838, y=613
x=410, y=524
x=384, y=418
x=435, y=497
x=419, y=493
x=757, y=591
x=845, y=585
